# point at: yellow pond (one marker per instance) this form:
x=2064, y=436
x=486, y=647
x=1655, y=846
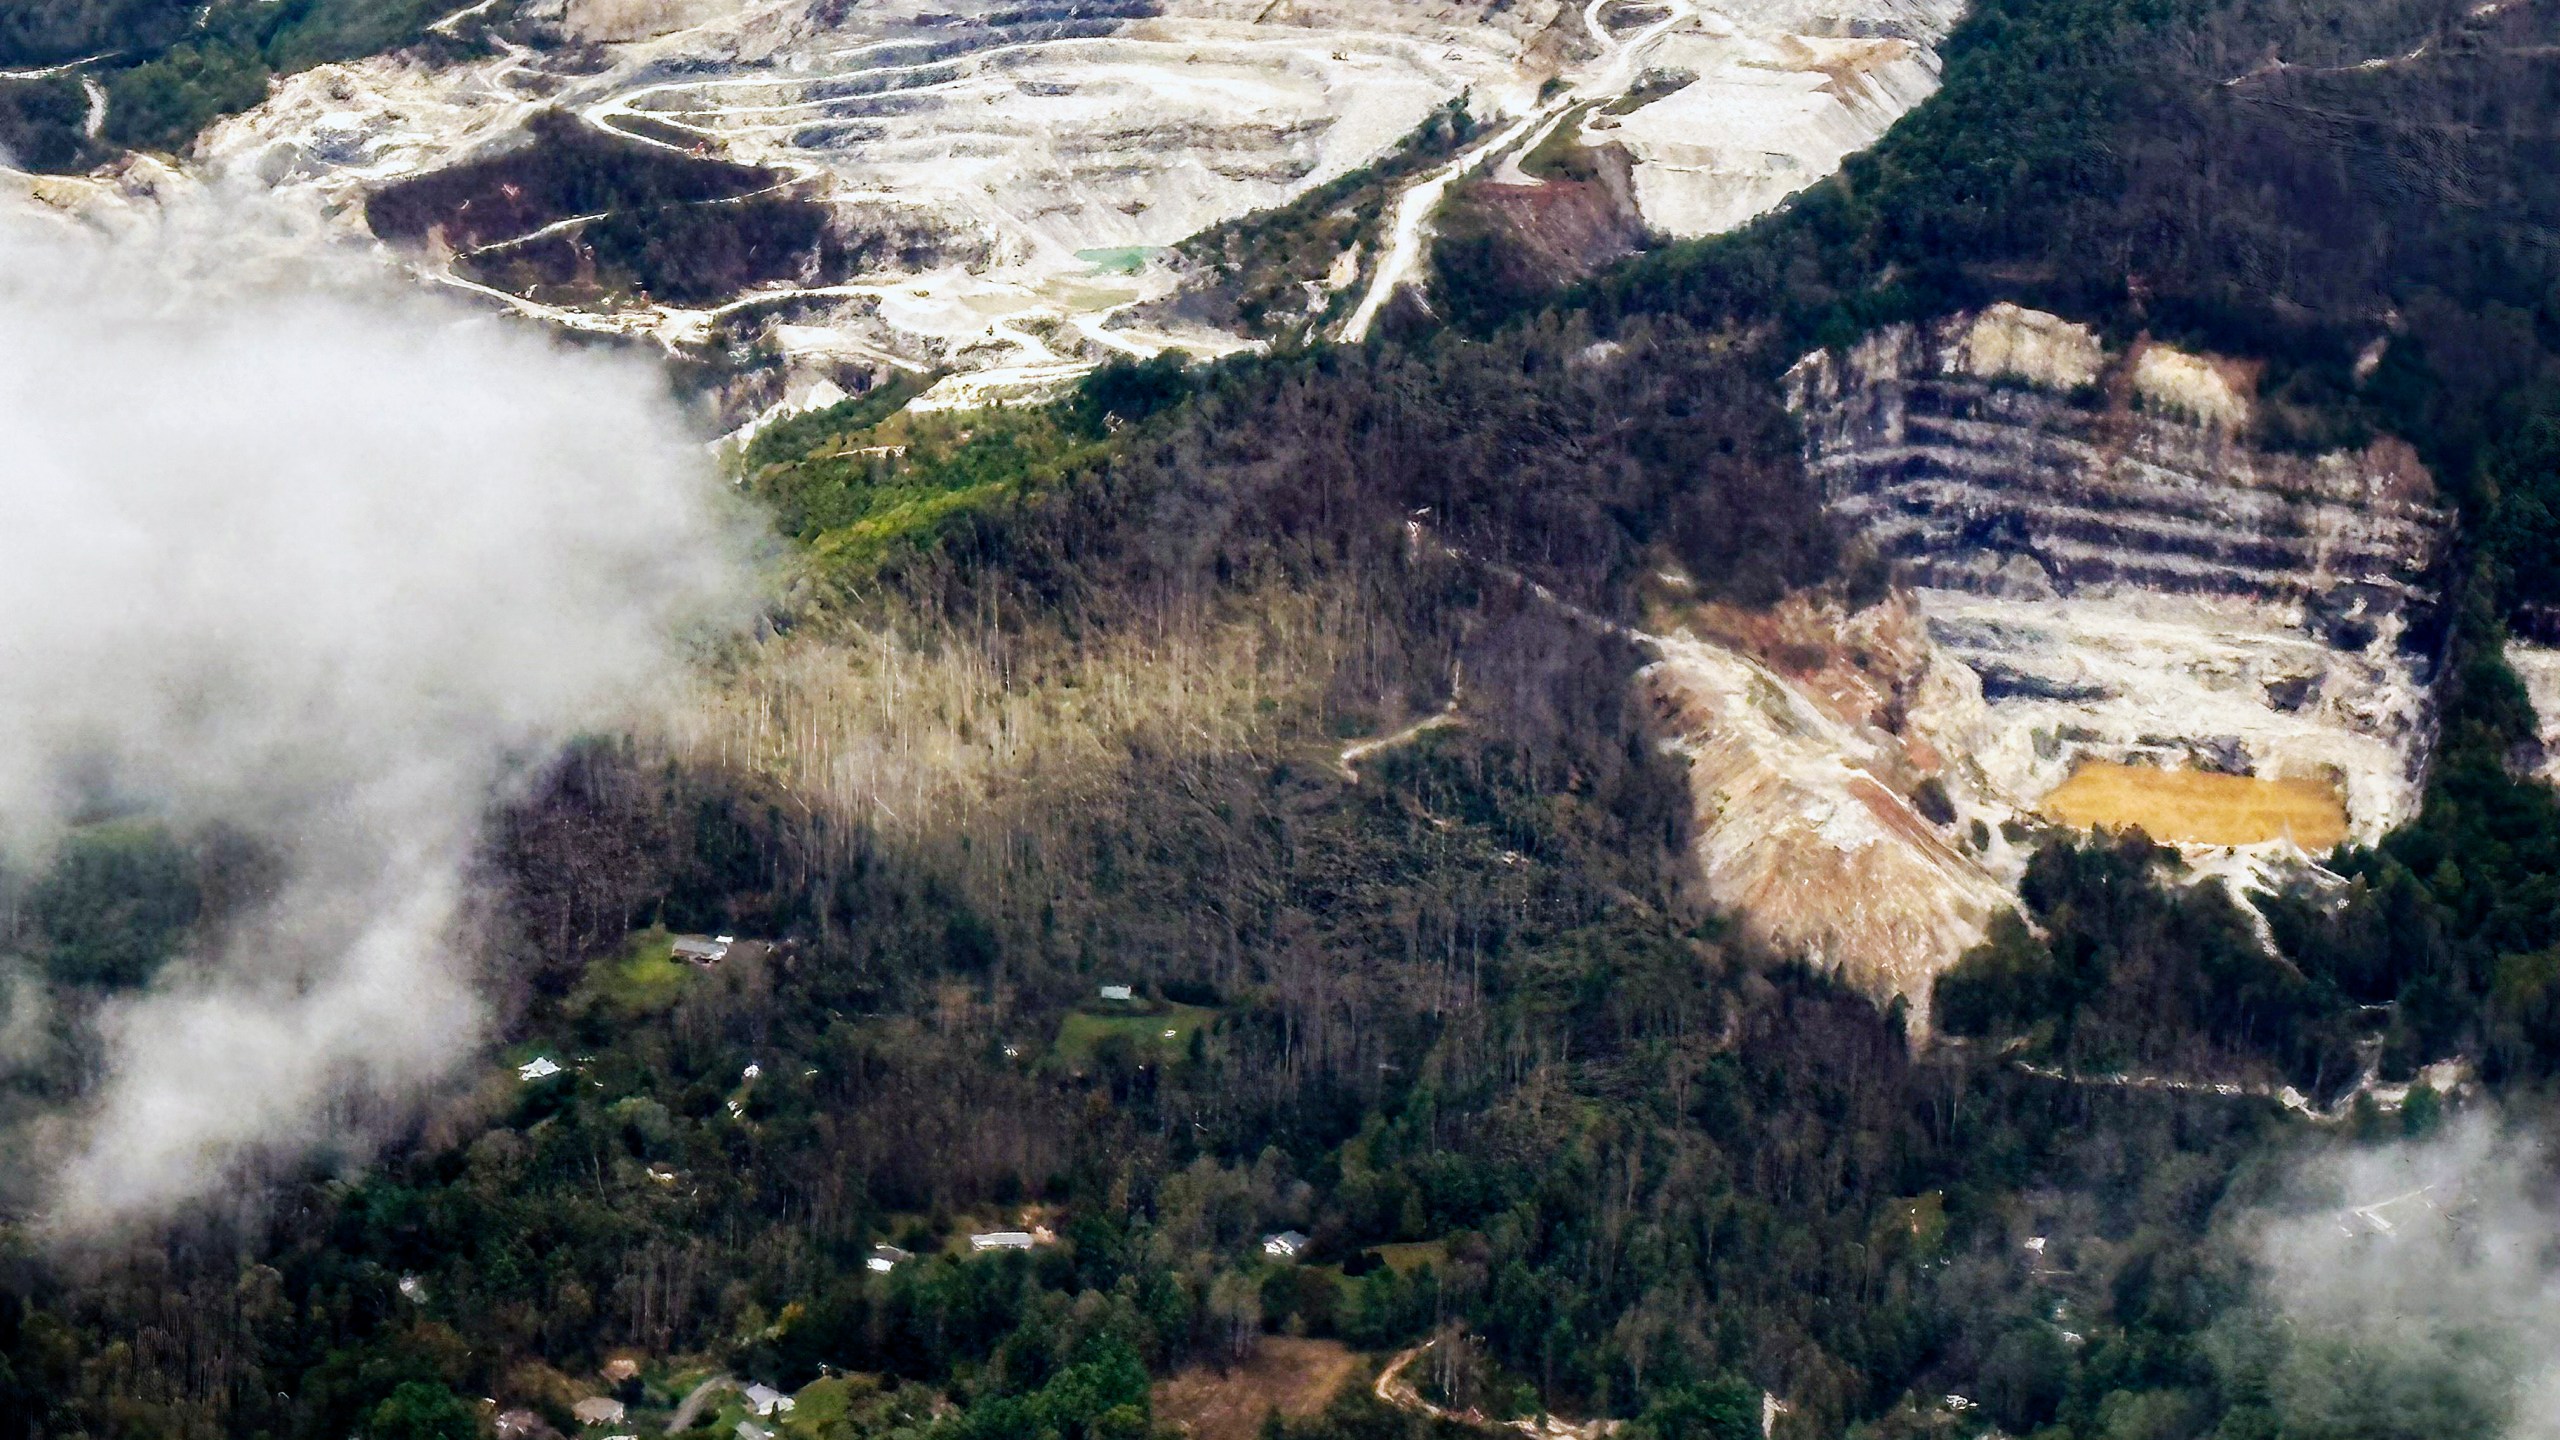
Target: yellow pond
x=2199, y=807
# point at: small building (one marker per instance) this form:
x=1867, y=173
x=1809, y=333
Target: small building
x=1003, y=1240
x=1287, y=1245
x=520, y=1425
x=1120, y=993
x=885, y=1258
x=540, y=1067
x=598, y=1410
x=704, y=950
x=413, y=1289
x=622, y=1367
x=765, y=1400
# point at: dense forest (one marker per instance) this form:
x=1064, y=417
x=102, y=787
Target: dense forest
x=1440, y=1007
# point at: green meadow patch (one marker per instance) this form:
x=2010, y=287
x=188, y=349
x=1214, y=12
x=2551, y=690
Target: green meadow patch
x=642, y=978
x=857, y=494
x=1151, y=1033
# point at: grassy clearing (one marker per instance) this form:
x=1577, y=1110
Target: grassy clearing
x=856, y=482
x=2200, y=807
x=643, y=978
x=1412, y=1255
x=1560, y=154
x=1084, y=1032
x=819, y=1407
x=1297, y=1377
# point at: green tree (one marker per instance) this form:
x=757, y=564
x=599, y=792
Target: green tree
x=422, y=1411
x=1727, y=1408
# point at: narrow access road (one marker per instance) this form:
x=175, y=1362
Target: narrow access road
x=1409, y=242
x=1395, y=1390
x=695, y=1399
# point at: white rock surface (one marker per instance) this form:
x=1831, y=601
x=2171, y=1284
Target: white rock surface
x=2092, y=580
x=2010, y=342
x=2136, y=585
x=1028, y=137
x=2538, y=666
x=1801, y=826
x=2148, y=678
x=1784, y=93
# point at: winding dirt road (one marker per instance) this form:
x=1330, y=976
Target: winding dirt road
x=1409, y=243
x=1394, y=1389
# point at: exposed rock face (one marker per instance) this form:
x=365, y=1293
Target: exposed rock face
x=1004, y=177
x=2101, y=568
x=2130, y=579
x=1557, y=230
x=1784, y=92
x=1808, y=736
x=2015, y=490
x=2538, y=666
x=613, y=22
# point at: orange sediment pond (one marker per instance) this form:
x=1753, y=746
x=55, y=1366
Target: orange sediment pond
x=2199, y=807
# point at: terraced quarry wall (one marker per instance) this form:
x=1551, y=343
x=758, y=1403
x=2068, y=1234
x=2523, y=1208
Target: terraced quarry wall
x=1954, y=461
x=1003, y=184
x=2114, y=610
x=2130, y=578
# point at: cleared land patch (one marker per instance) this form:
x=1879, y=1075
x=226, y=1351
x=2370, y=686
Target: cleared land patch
x=1294, y=1376
x=642, y=978
x=1408, y=1256
x=1146, y=1030
x=2199, y=807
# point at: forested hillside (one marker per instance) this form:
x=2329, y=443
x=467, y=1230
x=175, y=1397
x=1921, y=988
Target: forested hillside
x=1292, y=693
x=169, y=68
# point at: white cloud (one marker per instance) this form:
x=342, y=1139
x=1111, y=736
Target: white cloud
x=2422, y=1283
x=286, y=548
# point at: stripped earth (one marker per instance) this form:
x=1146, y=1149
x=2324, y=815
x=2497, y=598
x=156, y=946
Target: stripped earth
x=1003, y=186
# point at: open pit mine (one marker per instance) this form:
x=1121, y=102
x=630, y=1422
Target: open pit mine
x=991, y=193
x=2113, y=611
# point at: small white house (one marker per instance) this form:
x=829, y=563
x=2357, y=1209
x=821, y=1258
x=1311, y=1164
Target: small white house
x=1117, y=992
x=1286, y=1245
x=703, y=950
x=540, y=1067
x=765, y=1400
x=885, y=1258
x=1003, y=1240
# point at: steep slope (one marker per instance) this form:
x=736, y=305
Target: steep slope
x=1781, y=94
x=1001, y=183
x=2131, y=579
x=2116, y=611
x=1816, y=742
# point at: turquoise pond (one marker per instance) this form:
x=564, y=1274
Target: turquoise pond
x=1119, y=259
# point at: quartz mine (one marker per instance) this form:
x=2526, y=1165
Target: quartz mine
x=2115, y=611
x=1029, y=166
x=2132, y=581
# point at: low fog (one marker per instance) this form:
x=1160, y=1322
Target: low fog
x=2421, y=1282
x=330, y=566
